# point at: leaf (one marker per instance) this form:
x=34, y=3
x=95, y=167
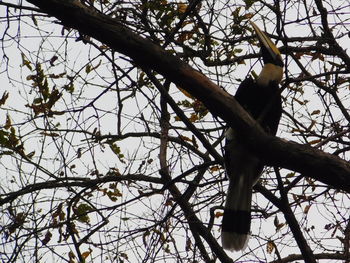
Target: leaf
x=124, y=255
x=54, y=96
x=277, y=224
x=113, y=195
x=52, y=60
x=235, y=13
x=30, y=155
x=104, y=47
x=219, y=214
x=37, y=108
x=18, y=221
x=5, y=152
x=8, y=122
x=62, y=216
x=70, y=87
x=37, y=100
x=214, y=168
x=34, y=20
x=249, y=3
x=185, y=138
x=4, y=97
x=315, y=112
x=81, y=213
x=270, y=246
x=25, y=62
x=167, y=249
x=71, y=256
x=57, y=76
x=181, y=8
x=47, y=238
x=312, y=124
x=88, y=68
x=169, y=202
x=317, y=55
x=289, y=175
x=193, y=117
x=314, y=141
x=144, y=237
x=116, y=150
x=298, y=55
x=194, y=141
x=86, y=253
x=306, y=209
x=184, y=36
x=299, y=101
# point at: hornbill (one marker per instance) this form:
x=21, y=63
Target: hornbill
x=262, y=100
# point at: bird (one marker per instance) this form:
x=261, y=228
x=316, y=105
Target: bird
x=261, y=98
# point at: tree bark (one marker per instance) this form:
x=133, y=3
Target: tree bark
x=304, y=159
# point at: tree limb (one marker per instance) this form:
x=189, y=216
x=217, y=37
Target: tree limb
x=273, y=151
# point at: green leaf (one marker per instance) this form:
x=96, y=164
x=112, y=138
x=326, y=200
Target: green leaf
x=81, y=213
x=116, y=150
x=25, y=62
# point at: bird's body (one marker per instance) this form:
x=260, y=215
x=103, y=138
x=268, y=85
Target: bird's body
x=262, y=100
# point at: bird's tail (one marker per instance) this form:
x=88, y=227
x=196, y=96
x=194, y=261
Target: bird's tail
x=236, y=219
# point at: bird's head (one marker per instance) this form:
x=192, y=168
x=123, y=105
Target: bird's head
x=269, y=51
x=273, y=68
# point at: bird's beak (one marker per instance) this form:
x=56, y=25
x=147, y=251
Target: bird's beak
x=268, y=45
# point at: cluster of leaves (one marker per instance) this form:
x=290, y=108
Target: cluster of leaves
x=9, y=140
x=47, y=97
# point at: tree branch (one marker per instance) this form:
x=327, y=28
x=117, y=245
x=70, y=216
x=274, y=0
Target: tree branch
x=293, y=223
x=330, y=256
x=273, y=151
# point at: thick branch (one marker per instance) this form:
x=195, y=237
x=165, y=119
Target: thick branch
x=329, y=256
x=324, y=167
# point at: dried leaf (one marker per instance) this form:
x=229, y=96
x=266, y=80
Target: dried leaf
x=52, y=60
x=314, y=141
x=214, y=168
x=4, y=97
x=270, y=246
x=181, y=7
x=47, y=238
x=8, y=122
x=86, y=253
x=306, y=209
x=219, y=214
